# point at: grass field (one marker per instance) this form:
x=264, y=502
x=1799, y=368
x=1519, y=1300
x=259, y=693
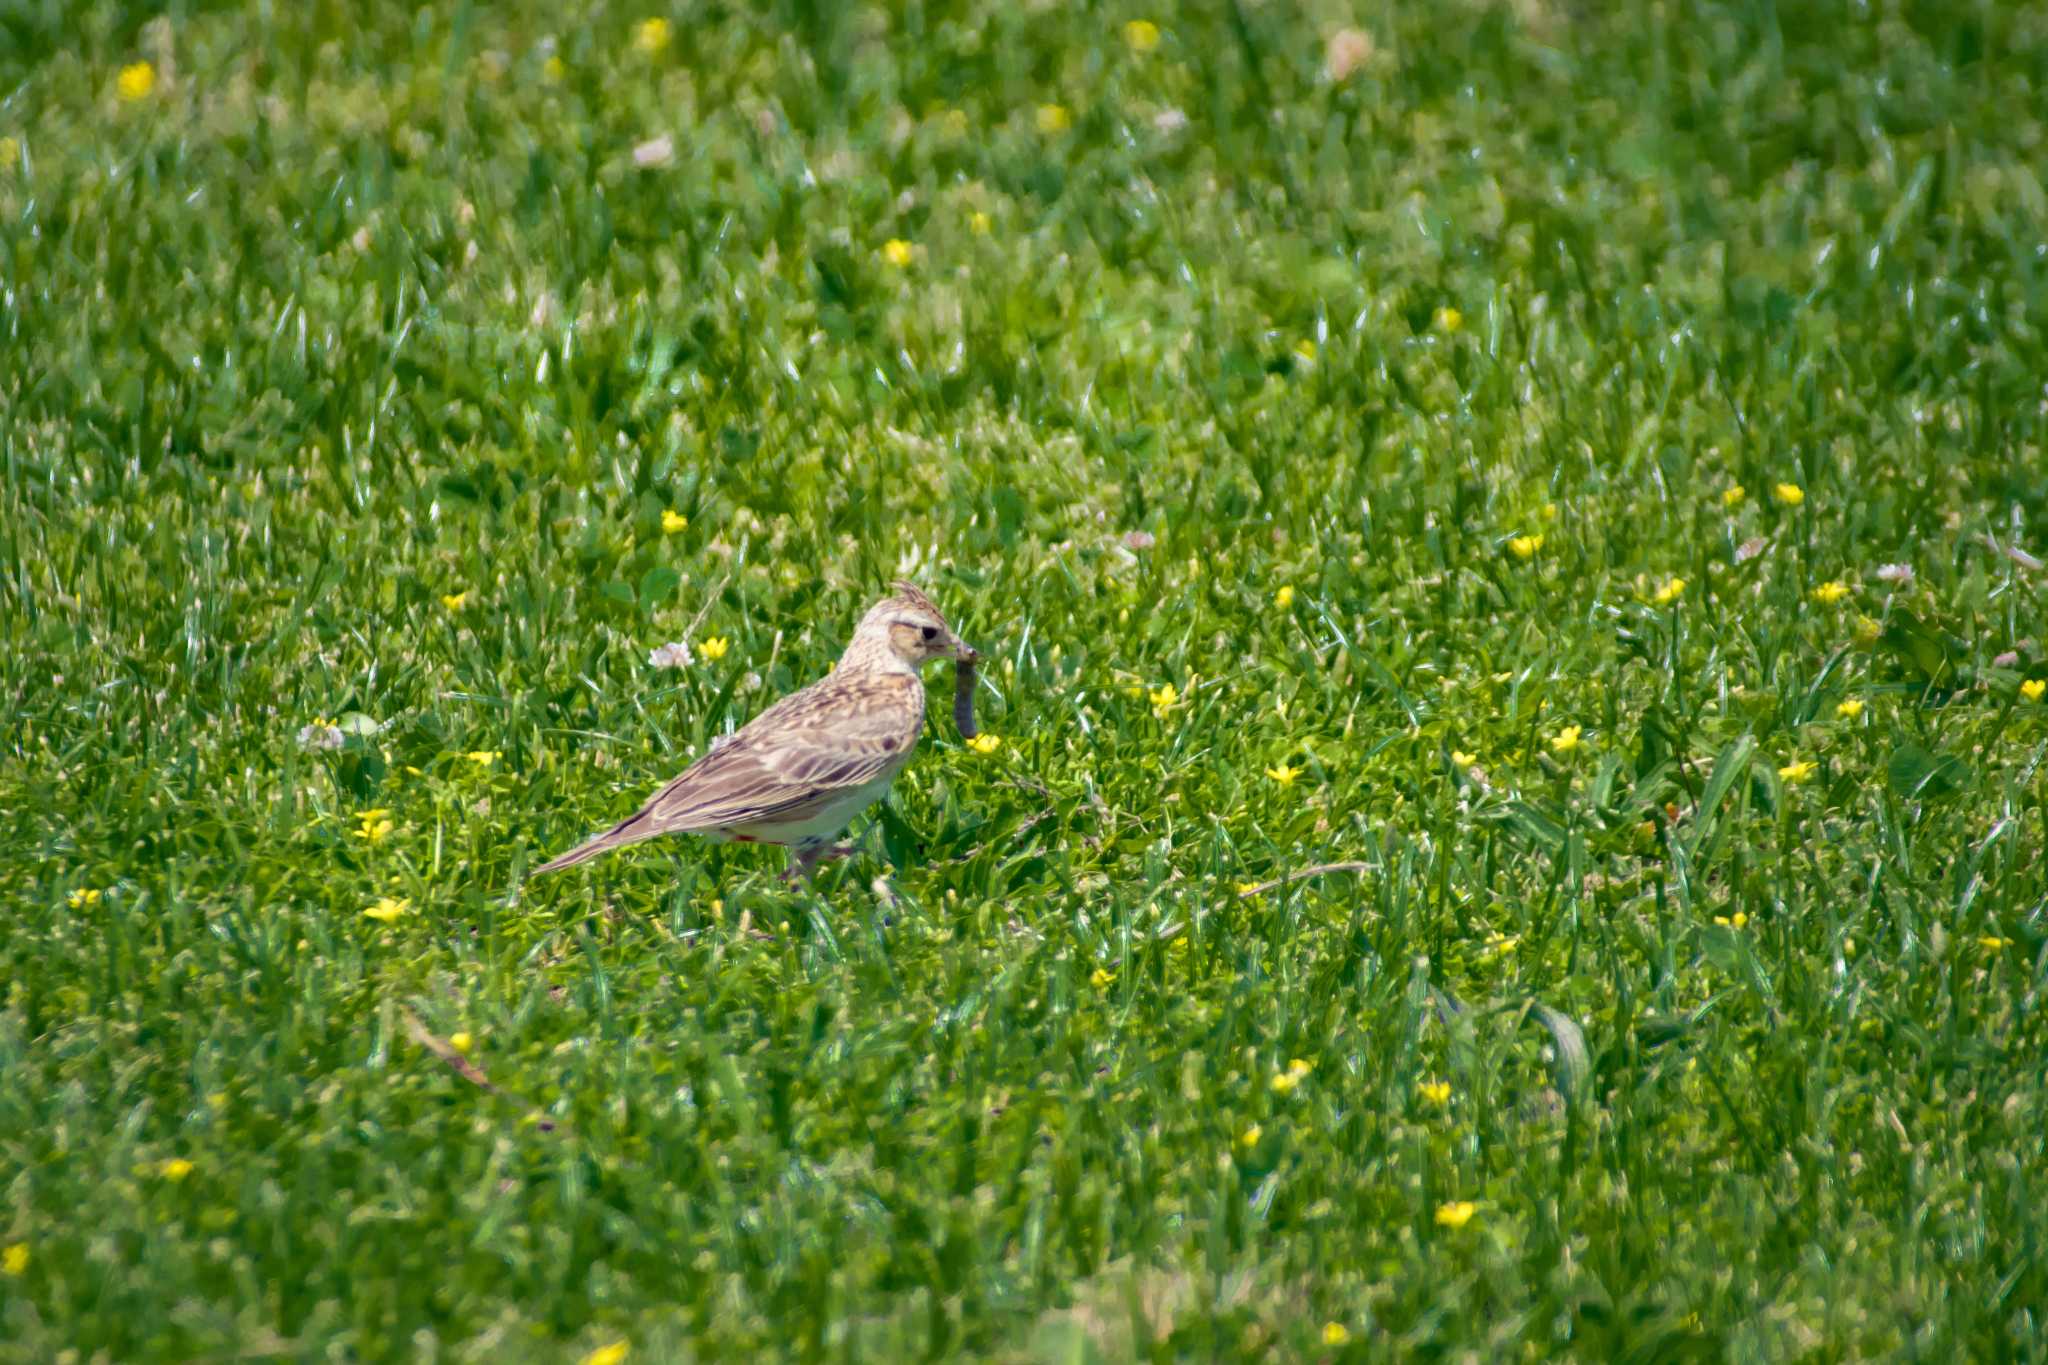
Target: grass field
x=1579, y=467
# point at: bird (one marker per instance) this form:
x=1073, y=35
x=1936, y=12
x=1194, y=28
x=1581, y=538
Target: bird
x=798, y=773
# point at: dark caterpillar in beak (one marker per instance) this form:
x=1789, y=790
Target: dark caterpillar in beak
x=963, y=694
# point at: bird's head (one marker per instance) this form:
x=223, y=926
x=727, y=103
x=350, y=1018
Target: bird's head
x=906, y=628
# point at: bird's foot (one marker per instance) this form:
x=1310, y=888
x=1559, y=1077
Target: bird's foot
x=804, y=861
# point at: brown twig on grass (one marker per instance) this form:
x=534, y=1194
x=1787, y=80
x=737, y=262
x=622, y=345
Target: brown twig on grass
x=1036, y=818
x=1318, y=870
x=471, y=1072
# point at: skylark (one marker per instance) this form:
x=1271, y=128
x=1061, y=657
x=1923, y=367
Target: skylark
x=800, y=771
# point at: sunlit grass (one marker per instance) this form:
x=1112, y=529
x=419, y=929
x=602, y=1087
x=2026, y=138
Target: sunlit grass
x=1506, y=548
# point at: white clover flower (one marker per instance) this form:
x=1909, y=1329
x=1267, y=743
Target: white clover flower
x=320, y=736
x=674, y=654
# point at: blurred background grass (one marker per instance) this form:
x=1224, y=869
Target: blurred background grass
x=1354, y=434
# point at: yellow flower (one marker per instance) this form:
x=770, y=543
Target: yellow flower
x=1463, y=759
x=85, y=897
x=461, y=1042
x=1567, y=739
x=1164, y=698
x=606, y=1355
x=455, y=601
x=1102, y=979
x=1141, y=35
x=1335, y=1334
x=1497, y=942
x=387, y=909
x=1054, y=118
x=14, y=1260
x=136, y=81
x=552, y=70
x=1735, y=921
x=1283, y=774
x=713, y=647
x=1733, y=494
x=1284, y=1081
x=897, y=252
x=175, y=1169
x=1791, y=494
x=1249, y=1138
x=1449, y=319
x=984, y=744
x=1284, y=598
x=1672, y=590
x=375, y=826
x=1867, y=631
x=1992, y=943
x=673, y=521
x=1525, y=547
x=978, y=221
x=1798, y=771
x=651, y=35
x=1246, y=888
x=2032, y=688
x=1436, y=1092
x=1831, y=592
x=1455, y=1214
x=1850, y=709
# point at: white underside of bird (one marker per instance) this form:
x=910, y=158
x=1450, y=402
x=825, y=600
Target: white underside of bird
x=826, y=825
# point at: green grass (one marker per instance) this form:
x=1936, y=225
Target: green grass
x=359, y=308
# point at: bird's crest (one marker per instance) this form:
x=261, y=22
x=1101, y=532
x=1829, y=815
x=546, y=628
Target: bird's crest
x=911, y=595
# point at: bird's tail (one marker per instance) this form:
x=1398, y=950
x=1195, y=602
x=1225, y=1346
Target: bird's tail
x=628, y=831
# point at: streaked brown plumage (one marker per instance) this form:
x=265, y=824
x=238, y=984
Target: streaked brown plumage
x=800, y=771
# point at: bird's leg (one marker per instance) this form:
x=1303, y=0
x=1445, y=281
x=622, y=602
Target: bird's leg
x=804, y=859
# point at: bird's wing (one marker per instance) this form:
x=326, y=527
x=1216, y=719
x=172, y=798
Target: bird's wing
x=796, y=758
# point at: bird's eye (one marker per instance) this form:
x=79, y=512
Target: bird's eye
x=931, y=632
